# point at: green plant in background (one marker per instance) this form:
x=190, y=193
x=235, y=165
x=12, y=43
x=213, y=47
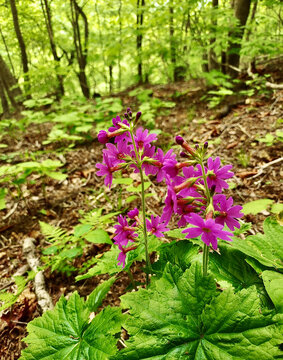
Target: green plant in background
x=65, y=247
x=257, y=206
x=243, y=158
x=8, y=298
x=150, y=105
x=18, y=174
x=270, y=139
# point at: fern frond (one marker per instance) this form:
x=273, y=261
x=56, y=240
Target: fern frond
x=53, y=234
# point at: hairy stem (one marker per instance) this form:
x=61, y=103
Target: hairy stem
x=205, y=258
x=132, y=279
x=139, y=165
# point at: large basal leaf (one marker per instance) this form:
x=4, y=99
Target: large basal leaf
x=182, y=316
x=273, y=282
x=266, y=248
x=64, y=333
x=95, y=298
x=230, y=266
x=181, y=253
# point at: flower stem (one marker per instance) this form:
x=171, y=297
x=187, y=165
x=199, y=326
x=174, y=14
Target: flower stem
x=205, y=182
x=205, y=259
x=144, y=230
x=139, y=165
x=205, y=247
x=132, y=279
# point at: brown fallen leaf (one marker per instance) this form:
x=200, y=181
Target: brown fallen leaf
x=246, y=174
x=85, y=173
x=232, y=145
x=5, y=227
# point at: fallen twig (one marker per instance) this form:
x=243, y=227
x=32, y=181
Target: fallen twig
x=261, y=168
x=44, y=299
x=11, y=211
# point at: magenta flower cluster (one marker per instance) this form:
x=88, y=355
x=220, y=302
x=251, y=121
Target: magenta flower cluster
x=187, y=192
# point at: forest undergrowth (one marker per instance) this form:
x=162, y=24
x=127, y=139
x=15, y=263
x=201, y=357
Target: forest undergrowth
x=50, y=186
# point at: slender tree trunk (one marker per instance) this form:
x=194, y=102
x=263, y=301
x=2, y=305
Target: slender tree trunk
x=10, y=84
x=253, y=61
x=140, y=12
x=212, y=61
x=241, y=10
x=21, y=44
x=110, y=78
x=187, y=27
x=4, y=101
x=7, y=51
x=120, y=45
x=48, y=21
x=81, y=45
x=172, y=40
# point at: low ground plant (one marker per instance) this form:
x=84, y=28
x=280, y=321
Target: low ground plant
x=210, y=294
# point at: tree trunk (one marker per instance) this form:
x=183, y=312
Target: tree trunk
x=48, y=21
x=120, y=46
x=7, y=51
x=22, y=46
x=212, y=61
x=81, y=47
x=140, y=11
x=241, y=10
x=187, y=27
x=4, y=101
x=10, y=84
x=110, y=78
x=172, y=40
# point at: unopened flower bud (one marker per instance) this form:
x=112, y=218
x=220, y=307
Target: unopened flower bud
x=138, y=115
x=205, y=145
x=128, y=110
x=103, y=137
x=126, y=116
x=196, y=146
x=179, y=140
x=183, y=154
x=133, y=213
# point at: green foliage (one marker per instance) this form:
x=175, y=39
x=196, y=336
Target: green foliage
x=244, y=158
x=64, y=247
x=9, y=298
x=62, y=250
x=273, y=282
x=2, y=198
x=107, y=263
x=229, y=265
x=270, y=139
x=67, y=333
x=265, y=248
x=182, y=315
x=32, y=103
x=255, y=207
x=18, y=173
x=149, y=105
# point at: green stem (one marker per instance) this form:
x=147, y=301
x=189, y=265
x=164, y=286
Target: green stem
x=205, y=247
x=139, y=165
x=205, y=259
x=205, y=182
x=132, y=279
x=144, y=230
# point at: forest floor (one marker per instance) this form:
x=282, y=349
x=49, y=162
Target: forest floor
x=233, y=134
